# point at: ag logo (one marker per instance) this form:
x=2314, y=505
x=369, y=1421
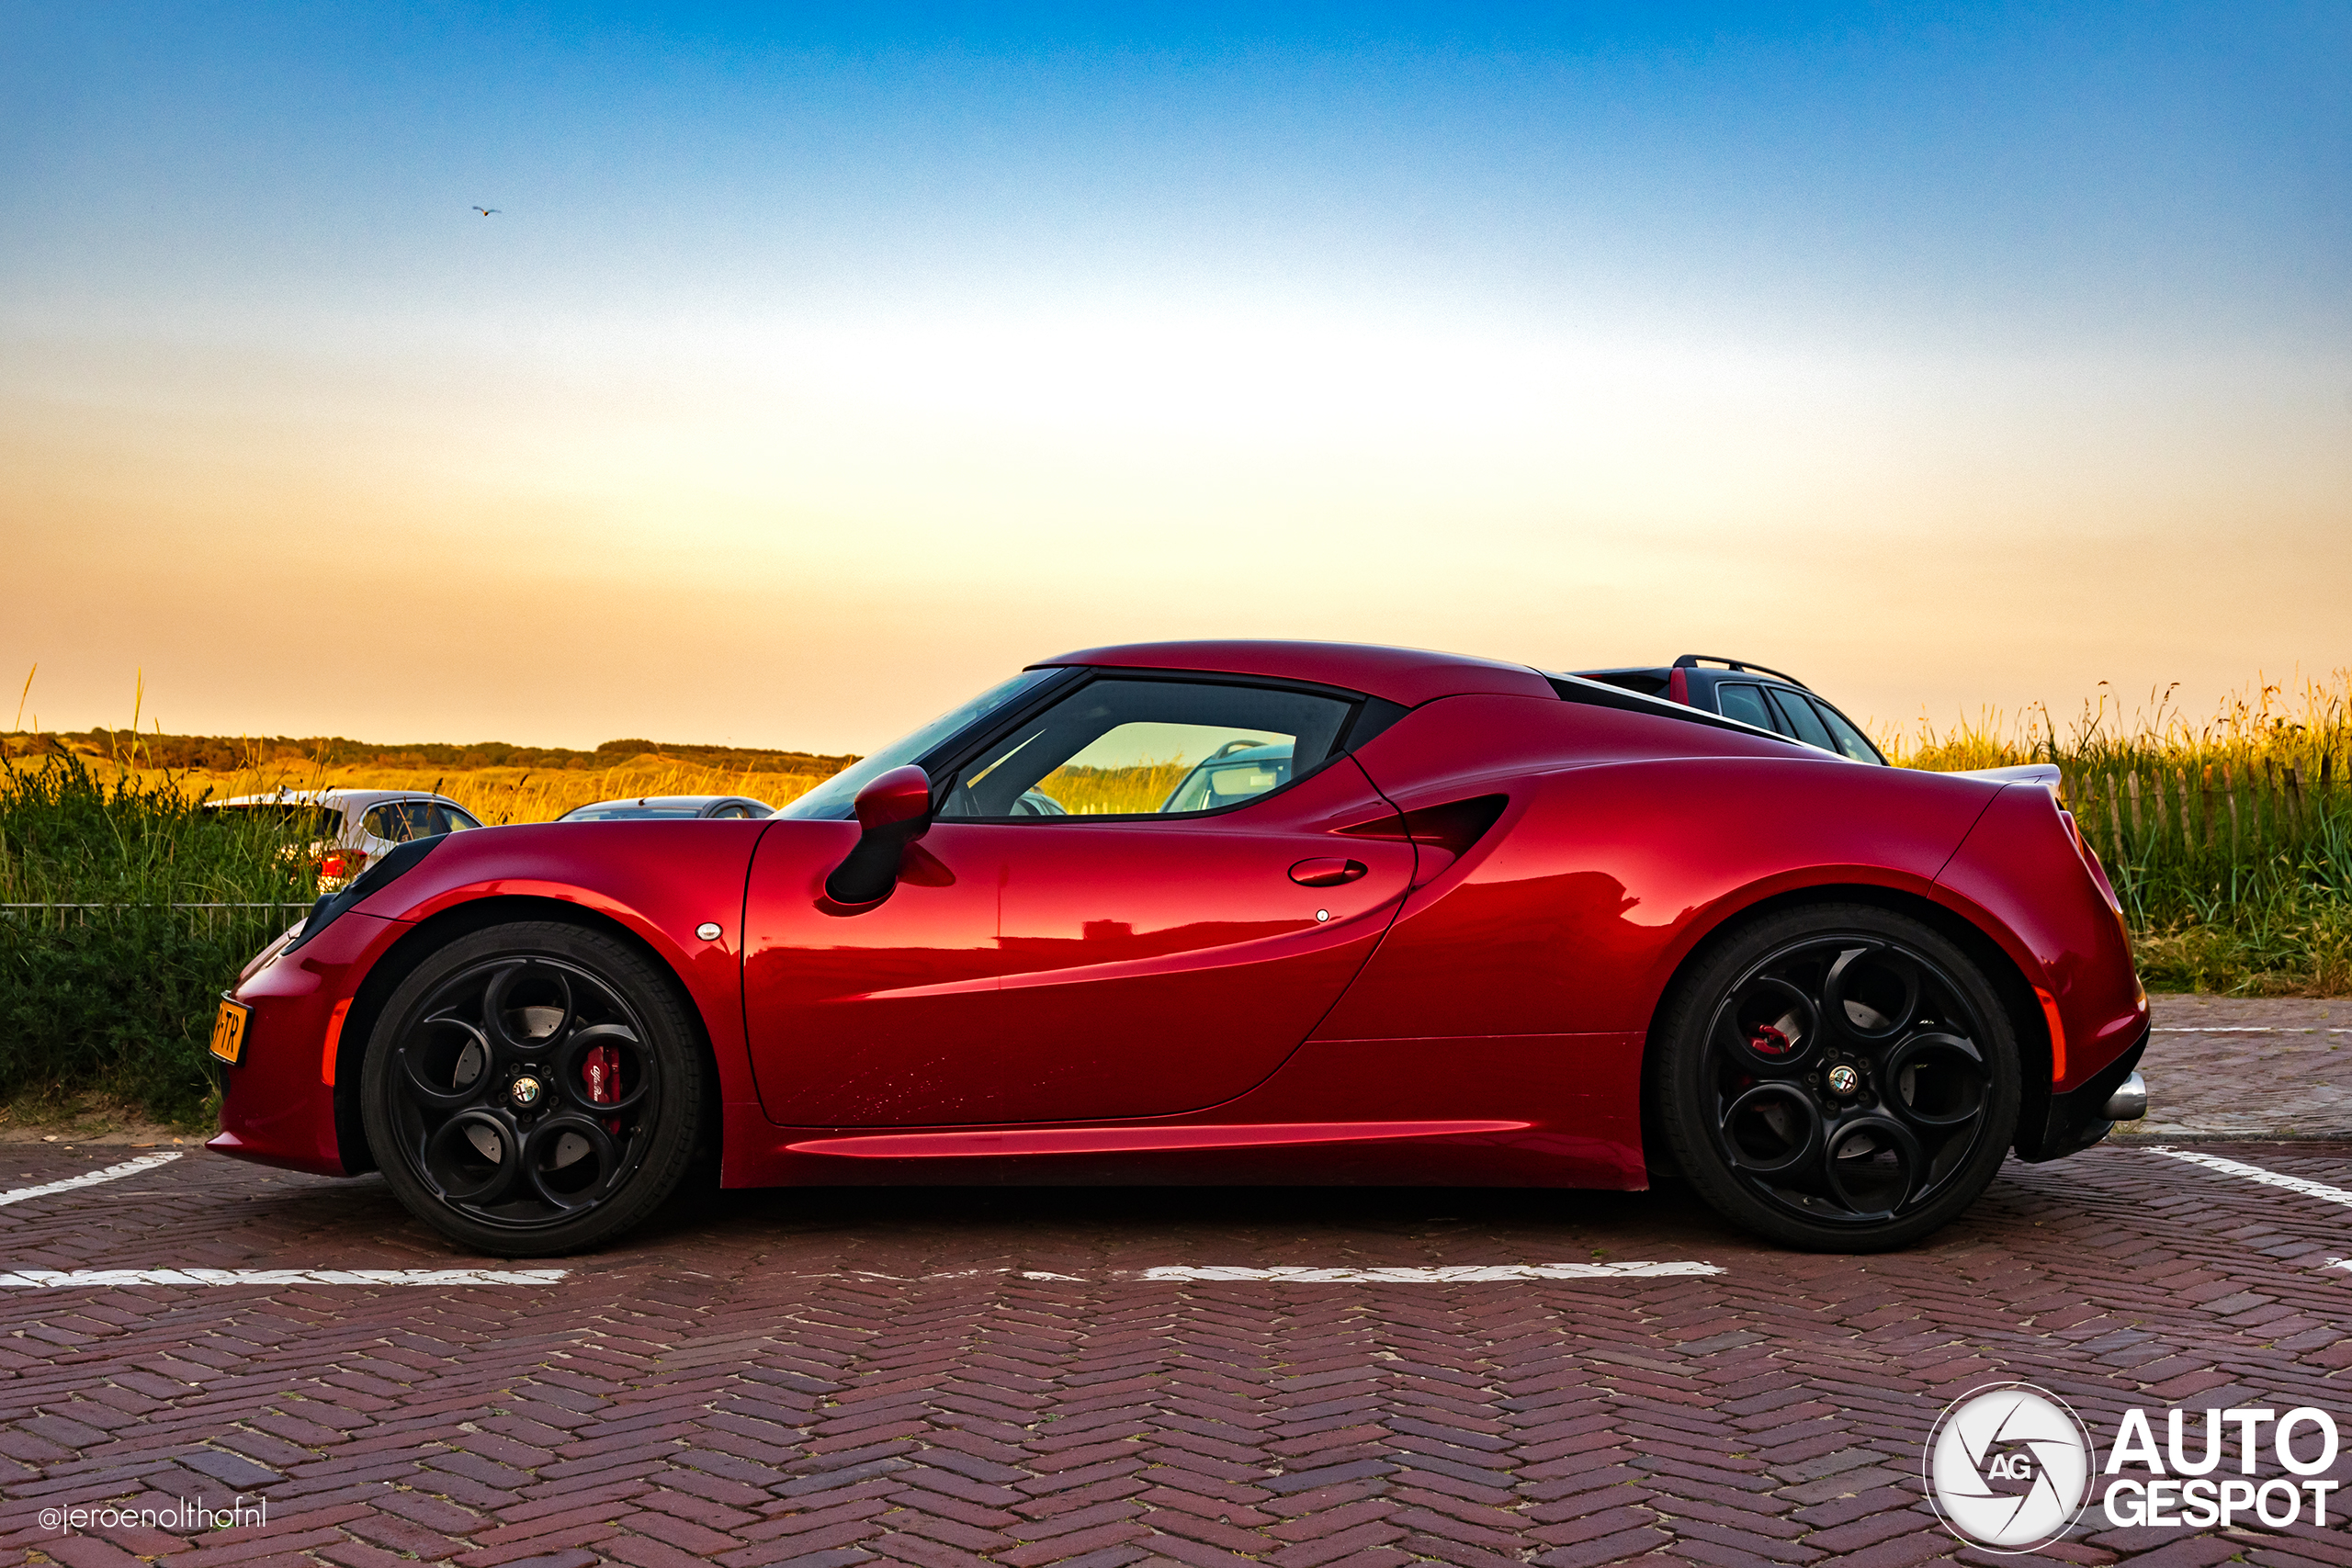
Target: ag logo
x=2008, y=1467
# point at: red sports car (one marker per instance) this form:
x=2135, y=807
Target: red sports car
x=1231, y=912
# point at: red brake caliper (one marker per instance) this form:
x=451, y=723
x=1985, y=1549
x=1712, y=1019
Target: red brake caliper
x=1767, y=1041
x=601, y=1070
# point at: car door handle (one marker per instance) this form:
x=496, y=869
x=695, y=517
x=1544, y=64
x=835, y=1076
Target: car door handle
x=1327, y=871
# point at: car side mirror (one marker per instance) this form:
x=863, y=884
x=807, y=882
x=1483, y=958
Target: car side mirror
x=892, y=812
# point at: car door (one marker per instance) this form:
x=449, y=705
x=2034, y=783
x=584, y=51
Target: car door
x=1139, y=962
x=1152, y=967
x=1180, y=903
x=867, y=1017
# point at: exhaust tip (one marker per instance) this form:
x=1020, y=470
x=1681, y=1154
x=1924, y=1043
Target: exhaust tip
x=2130, y=1101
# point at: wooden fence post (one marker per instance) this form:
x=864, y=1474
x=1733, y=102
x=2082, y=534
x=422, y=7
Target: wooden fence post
x=2187, y=829
x=2230, y=794
x=2131, y=784
x=2115, y=818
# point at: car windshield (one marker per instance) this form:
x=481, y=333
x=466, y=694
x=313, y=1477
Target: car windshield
x=833, y=799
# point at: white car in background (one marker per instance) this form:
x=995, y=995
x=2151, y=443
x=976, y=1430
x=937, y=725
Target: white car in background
x=348, y=828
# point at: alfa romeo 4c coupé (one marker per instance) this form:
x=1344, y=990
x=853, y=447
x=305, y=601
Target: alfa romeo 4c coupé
x=1226, y=912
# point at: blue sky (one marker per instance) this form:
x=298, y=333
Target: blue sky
x=991, y=332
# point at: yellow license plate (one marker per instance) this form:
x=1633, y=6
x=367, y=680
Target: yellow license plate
x=228, y=1029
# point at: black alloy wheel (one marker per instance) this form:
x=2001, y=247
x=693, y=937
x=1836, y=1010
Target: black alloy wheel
x=533, y=1089
x=1841, y=1078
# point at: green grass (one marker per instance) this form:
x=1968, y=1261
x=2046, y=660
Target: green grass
x=113, y=1000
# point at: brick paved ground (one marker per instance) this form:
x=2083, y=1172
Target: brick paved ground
x=2225, y=1067
x=774, y=1379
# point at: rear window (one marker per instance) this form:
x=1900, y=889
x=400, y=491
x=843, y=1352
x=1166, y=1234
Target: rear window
x=401, y=821
x=1849, y=739
x=1802, y=722
x=1745, y=703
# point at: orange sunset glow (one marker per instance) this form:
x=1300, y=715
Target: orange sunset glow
x=804, y=383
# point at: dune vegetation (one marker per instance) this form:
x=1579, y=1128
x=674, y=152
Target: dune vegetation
x=2227, y=835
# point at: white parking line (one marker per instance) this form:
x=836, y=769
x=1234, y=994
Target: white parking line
x=63, y=1280
x=1305, y=1274
x=2319, y=1190
x=88, y=1179
x=1449, y=1274
x=2244, y=1029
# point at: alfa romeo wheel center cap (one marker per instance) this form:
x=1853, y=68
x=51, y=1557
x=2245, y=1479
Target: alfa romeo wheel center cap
x=1843, y=1080
x=525, y=1092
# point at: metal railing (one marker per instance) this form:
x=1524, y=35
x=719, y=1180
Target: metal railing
x=212, y=916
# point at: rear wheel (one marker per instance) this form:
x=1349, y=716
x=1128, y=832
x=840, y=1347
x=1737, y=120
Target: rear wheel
x=1842, y=1079
x=533, y=1089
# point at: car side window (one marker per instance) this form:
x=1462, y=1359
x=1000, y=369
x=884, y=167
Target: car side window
x=430, y=818
x=1746, y=704
x=1126, y=748
x=1801, y=721
x=1849, y=739
x=385, y=822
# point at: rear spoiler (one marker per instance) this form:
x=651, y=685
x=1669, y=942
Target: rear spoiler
x=2044, y=773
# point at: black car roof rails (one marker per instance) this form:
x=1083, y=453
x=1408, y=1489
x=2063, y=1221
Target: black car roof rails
x=1690, y=661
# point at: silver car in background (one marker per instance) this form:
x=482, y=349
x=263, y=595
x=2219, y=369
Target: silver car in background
x=346, y=828
x=646, y=807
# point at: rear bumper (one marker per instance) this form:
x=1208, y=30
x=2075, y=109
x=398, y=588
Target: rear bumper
x=2077, y=1118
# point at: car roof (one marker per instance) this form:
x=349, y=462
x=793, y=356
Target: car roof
x=1661, y=671
x=342, y=799
x=1407, y=675
x=681, y=800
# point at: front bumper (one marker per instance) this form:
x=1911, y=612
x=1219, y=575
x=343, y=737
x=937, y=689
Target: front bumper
x=278, y=1100
x=2078, y=1118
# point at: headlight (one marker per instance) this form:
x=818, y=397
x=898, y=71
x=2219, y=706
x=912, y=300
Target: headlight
x=330, y=906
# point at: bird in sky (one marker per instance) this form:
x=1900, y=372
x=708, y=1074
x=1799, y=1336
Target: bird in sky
x=485, y=212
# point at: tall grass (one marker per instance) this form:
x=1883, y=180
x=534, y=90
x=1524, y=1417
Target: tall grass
x=2229, y=838
x=107, y=976
x=1097, y=792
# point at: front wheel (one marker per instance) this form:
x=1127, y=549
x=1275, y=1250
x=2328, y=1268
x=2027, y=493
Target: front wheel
x=533, y=1089
x=1842, y=1079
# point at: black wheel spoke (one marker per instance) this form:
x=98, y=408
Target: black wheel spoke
x=446, y=1064
x=1871, y=992
x=1872, y=1165
x=570, y=1162
x=528, y=1007
x=1936, y=1081
x=472, y=1157
x=1845, y=1078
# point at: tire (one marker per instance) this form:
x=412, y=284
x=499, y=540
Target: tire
x=1838, y=1077
x=533, y=1089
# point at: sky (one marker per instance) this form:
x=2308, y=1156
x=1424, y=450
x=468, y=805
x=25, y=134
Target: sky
x=820, y=365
